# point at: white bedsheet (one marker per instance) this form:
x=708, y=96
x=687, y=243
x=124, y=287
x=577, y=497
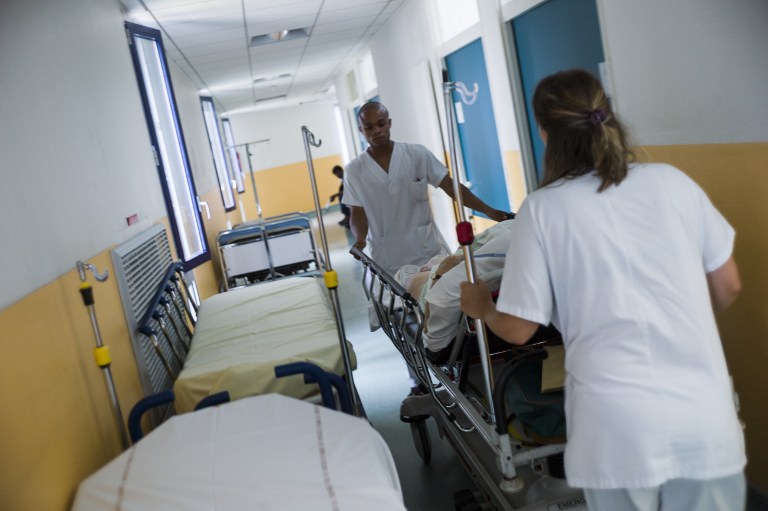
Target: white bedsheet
x=241, y=335
x=267, y=452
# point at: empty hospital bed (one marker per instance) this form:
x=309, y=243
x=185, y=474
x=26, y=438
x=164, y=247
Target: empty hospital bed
x=267, y=249
x=234, y=340
x=261, y=452
x=168, y=330
x=513, y=469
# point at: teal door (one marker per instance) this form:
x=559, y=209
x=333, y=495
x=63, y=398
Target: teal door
x=477, y=127
x=554, y=36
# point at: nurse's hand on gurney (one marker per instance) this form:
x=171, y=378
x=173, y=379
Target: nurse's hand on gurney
x=499, y=215
x=476, y=302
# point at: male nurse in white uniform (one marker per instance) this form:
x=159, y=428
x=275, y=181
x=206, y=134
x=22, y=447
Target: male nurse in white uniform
x=386, y=189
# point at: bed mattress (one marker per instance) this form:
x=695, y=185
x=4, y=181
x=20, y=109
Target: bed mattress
x=241, y=335
x=264, y=452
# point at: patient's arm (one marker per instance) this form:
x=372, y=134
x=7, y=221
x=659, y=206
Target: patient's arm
x=447, y=263
x=476, y=302
x=724, y=285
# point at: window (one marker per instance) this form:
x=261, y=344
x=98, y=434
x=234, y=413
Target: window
x=168, y=144
x=219, y=160
x=234, y=156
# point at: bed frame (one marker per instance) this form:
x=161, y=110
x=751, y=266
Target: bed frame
x=512, y=473
x=163, y=317
x=267, y=249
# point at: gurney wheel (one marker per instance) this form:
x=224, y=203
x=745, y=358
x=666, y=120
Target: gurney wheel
x=421, y=440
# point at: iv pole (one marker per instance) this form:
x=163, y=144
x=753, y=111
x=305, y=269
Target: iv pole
x=330, y=276
x=248, y=153
x=464, y=228
x=509, y=483
x=101, y=353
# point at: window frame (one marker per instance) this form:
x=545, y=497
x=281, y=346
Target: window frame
x=234, y=156
x=217, y=152
x=176, y=217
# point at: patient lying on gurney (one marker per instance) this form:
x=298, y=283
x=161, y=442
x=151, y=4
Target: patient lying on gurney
x=436, y=284
x=535, y=400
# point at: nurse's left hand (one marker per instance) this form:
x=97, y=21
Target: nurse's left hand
x=476, y=300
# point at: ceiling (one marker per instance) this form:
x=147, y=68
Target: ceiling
x=210, y=41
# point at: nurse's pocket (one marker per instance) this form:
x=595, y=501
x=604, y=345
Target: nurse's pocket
x=418, y=189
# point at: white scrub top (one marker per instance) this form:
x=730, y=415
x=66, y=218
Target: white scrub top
x=400, y=226
x=621, y=274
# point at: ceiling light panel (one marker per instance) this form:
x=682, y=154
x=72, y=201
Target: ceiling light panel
x=279, y=36
x=264, y=25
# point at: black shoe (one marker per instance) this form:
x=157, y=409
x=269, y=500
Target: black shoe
x=419, y=390
x=344, y=222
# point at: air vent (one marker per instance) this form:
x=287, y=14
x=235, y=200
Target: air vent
x=276, y=37
x=272, y=78
x=261, y=100
x=139, y=264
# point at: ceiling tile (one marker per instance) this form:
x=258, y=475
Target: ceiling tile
x=208, y=40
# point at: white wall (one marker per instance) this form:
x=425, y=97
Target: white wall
x=76, y=158
x=283, y=129
x=689, y=71
x=74, y=144
x=409, y=77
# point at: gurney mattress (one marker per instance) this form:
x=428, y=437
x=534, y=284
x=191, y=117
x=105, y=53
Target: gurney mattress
x=243, y=334
x=264, y=452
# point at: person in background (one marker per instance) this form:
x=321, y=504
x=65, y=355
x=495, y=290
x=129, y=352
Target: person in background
x=630, y=262
x=386, y=188
x=338, y=171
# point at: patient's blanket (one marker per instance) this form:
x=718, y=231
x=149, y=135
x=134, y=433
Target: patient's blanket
x=243, y=334
x=262, y=453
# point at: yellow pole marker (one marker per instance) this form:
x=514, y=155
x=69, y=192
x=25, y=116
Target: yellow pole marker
x=102, y=356
x=331, y=279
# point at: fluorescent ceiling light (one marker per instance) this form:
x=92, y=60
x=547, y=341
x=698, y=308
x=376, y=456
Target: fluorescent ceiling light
x=282, y=35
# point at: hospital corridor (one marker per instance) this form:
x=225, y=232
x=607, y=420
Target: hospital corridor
x=422, y=255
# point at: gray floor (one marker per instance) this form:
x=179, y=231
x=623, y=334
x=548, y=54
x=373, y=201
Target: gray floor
x=382, y=381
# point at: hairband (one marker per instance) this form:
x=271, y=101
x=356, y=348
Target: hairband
x=598, y=116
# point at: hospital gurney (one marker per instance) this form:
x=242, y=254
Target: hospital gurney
x=234, y=340
x=262, y=452
x=512, y=473
x=266, y=249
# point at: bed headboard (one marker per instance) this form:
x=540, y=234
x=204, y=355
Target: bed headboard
x=140, y=264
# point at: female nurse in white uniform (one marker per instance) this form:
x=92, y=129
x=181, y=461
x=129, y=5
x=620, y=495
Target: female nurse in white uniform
x=630, y=262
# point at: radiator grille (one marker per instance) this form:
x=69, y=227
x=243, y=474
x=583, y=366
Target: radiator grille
x=140, y=264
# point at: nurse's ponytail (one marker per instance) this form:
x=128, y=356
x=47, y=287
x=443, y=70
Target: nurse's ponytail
x=582, y=133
